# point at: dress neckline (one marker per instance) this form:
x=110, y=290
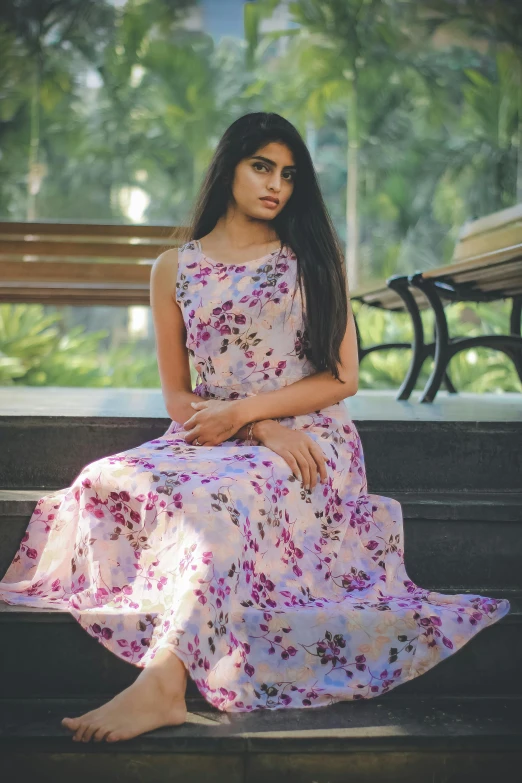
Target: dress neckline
x=240, y=263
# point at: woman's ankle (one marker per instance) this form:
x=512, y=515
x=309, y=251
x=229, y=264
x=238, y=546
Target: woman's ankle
x=168, y=670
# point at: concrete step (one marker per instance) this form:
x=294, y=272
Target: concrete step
x=46, y=654
x=445, y=740
x=406, y=455
x=450, y=537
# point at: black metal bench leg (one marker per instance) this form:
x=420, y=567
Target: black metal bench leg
x=446, y=379
x=443, y=352
x=363, y=352
x=399, y=284
x=514, y=328
x=360, y=351
x=448, y=384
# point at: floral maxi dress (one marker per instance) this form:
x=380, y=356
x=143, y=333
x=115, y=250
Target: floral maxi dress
x=272, y=596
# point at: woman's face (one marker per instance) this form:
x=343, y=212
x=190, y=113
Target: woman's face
x=270, y=171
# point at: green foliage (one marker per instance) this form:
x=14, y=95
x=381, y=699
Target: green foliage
x=34, y=352
x=124, y=367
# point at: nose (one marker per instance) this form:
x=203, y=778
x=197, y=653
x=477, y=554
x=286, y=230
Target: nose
x=275, y=183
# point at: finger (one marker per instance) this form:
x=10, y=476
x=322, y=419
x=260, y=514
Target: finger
x=304, y=467
x=313, y=471
x=292, y=462
x=320, y=460
x=193, y=434
x=203, y=442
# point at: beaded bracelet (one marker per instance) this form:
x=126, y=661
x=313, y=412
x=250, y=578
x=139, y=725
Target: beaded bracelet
x=250, y=433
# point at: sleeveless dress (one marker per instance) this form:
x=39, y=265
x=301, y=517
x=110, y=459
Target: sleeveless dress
x=272, y=596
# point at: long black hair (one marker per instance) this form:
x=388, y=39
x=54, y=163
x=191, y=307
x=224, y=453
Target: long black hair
x=304, y=224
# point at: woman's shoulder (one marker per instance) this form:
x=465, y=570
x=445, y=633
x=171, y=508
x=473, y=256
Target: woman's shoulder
x=167, y=258
x=164, y=270
x=166, y=266
x=174, y=254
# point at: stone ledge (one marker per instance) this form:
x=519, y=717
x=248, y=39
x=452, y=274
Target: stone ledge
x=407, y=723
x=366, y=405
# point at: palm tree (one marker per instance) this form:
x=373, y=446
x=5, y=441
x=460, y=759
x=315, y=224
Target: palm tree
x=48, y=32
x=495, y=29
x=340, y=51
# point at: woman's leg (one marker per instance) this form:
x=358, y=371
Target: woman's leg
x=156, y=698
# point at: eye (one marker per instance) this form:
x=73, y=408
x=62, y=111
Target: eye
x=258, y=163
x=291, y=175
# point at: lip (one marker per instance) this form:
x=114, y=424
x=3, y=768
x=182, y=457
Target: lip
x=269, y=201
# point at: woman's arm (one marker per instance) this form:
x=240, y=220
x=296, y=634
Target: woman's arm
x=310, y=393
x=171, y=349
x=169, y=327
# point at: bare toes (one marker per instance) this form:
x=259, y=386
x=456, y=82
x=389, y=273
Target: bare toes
x=75, y=724
x=82, y=728
x=100, y=733
x=89, y=732
x=71, y=723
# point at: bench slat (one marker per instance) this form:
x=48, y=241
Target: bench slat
x=84, y=296
x=42, y=248
x=36, y=273
x=490, y=222
x=91, y=230
x=481, y=245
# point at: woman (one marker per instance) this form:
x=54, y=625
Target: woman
x=242, y=547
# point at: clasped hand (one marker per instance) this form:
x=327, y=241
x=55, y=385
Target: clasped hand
x=213, y=422
x=217, y=420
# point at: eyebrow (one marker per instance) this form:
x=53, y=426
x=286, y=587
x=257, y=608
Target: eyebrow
x=272, y=162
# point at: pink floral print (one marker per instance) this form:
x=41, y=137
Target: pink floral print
x=272, y=596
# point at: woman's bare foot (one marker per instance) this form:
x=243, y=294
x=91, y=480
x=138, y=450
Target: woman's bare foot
x=156, y=698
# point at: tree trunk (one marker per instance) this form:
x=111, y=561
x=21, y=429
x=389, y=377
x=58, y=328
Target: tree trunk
x=519, y=132
x=34, y=174
x=352, y=232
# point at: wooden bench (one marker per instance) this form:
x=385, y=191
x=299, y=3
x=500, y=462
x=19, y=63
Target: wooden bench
x=486, y=266
x=80, y=264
